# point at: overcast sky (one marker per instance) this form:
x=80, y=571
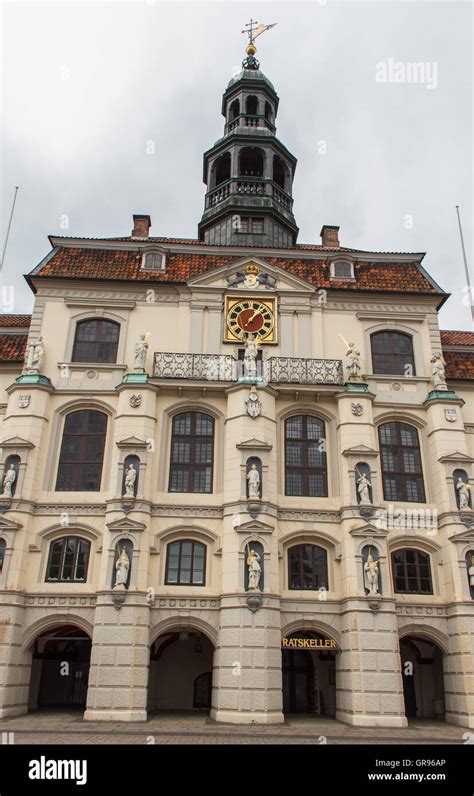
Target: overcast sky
x=89, y=89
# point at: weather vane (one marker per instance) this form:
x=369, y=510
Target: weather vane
x=253, y=29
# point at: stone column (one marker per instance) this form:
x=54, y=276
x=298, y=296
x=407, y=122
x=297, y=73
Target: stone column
x=15, y=662
x=120, y=656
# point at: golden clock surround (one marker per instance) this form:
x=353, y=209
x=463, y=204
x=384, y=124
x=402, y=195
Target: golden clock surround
x=236, y=305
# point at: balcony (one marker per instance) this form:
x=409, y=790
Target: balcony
x=249, y=186
x=225, y=367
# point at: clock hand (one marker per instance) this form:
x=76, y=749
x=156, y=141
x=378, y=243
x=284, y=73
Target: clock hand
x=257, y=312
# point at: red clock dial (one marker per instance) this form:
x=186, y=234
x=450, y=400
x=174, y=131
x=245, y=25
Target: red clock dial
x=250, y=320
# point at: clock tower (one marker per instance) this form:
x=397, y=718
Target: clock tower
x=249, y=172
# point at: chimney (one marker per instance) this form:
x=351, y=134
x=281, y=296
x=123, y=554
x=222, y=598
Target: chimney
x=141, y=226
x=330, y=236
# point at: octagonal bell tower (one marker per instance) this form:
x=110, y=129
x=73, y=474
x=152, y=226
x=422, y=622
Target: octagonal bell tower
x=248, y=172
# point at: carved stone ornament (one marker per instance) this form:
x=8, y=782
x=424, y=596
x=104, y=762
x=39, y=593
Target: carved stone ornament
x=357, y=409
x=451, y=415
x=118, y=596
x=24, y=401
x=254, y=602
x=135, y=400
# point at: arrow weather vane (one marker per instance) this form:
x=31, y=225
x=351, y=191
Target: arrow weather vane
x=254, y=29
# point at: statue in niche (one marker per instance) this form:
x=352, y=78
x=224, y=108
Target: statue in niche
x=37, y=355
x=363, y=486
x=130, y=478
x=8, y=481
x=254, y=404
x=438, y=373
x=371, y=575
x=353, y=363
x=122, y=566
x=255, y=570
x=464, y=492
x=250, y=356
x=253, y=477
x=470, y=571
x=141, y=350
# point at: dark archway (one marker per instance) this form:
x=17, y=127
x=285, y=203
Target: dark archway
x=423, y=678
x=309, y=676
x=60, y=669
x=251, y=162
x=181, y=663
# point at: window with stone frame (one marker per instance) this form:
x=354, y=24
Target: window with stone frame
x=96, y=340
x=307, y=567
x=68, y=560
x=82, y=452
x=305, y=457
x=192, y=453
x=185, y=563
x=400, y=454
x=392, y=353
x=411, y=572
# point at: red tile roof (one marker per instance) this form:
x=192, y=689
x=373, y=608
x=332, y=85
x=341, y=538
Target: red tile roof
x=454, y=338
x=459, y=365
x=12, y=347
x=88, y=263
x=14, y=320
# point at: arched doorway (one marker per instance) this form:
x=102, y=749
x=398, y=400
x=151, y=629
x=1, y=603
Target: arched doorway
x=180, y=672
x=423, y=678
x=309, y=673
x=60, y=669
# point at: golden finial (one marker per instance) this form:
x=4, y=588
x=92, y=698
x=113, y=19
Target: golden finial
x=254, y=29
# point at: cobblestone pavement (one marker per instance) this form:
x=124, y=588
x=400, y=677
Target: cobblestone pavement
x=68, y=727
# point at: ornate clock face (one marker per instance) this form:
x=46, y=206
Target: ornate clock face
x=246, y=316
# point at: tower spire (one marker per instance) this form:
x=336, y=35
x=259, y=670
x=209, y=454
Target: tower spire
x=253, y=29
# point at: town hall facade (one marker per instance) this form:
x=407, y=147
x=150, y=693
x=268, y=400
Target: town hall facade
x=236, y=469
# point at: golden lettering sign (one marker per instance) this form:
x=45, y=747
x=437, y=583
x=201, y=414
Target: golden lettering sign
x=309, y=643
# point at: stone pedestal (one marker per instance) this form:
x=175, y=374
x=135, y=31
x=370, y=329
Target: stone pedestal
x=459, y=666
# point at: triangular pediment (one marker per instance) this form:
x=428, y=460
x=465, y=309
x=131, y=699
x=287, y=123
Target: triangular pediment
x=226, y=275
x=369, y=530
x=254, y=527
x=125, y=525
x=360, y=450
x=254, y=445
x=464, y=536
x=16, y=442
x=457, y=456
x=9, y=525
x=131, y=442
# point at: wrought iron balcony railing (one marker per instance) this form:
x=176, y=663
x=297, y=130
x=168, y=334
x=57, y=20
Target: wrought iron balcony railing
x=224, y=367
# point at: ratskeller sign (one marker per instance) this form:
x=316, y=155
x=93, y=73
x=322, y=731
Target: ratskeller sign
x=309, y=643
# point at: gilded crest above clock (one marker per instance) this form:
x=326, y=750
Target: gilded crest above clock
x=246, y=315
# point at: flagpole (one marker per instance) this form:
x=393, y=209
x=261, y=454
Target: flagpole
x=466, y=269
x=8, y=228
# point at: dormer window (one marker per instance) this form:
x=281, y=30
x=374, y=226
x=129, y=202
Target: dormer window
x=154, y=261
x=342, y=269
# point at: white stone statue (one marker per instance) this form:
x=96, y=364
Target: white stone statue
x=122, y=565
x=253, y=477
x=438, y=374
x=255, y=569
x=363, y=485
x=254, y=404
x=371, y=575
x=470, y=572
x=141, y=350
x=353, y=363
x=8, y=481
x=464, y=491
x=37, y=355
x=130, y=478
x=250, y=356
